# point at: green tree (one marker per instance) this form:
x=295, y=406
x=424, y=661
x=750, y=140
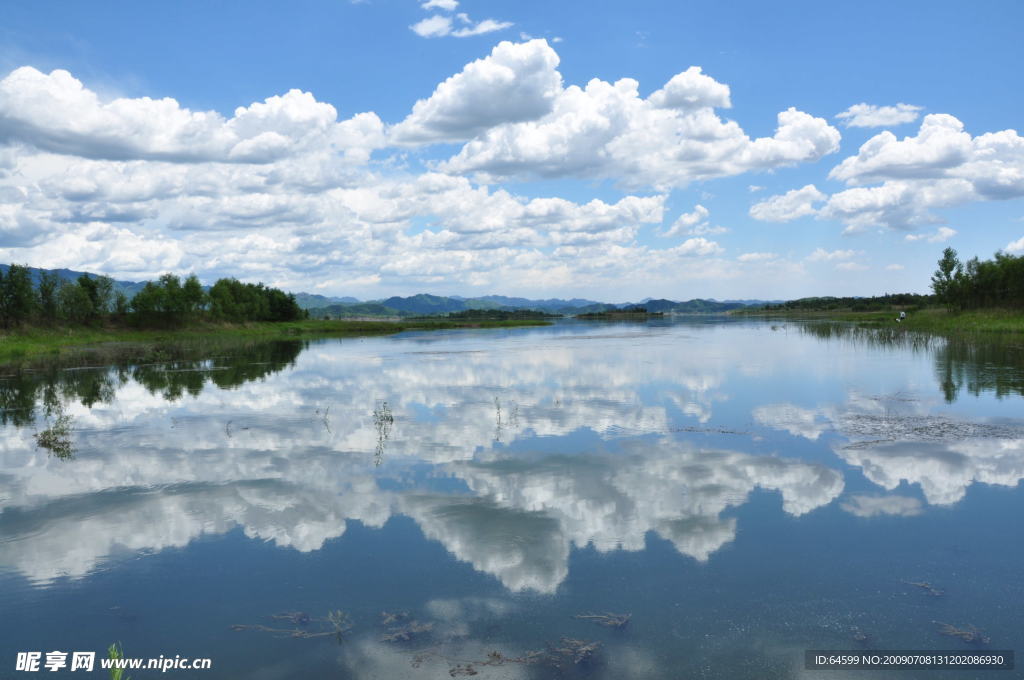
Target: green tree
x=946, y=278
x=17, y=296
x=121, y=304
x=149, y=305
x=104, y=294
x=74, y=303
x=193, y=296
x=49, y=284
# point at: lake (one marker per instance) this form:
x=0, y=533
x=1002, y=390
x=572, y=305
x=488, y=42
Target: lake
x=694, y=499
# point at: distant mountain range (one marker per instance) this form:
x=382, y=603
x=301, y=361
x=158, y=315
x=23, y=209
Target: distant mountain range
x=423, y=304
x=321, y=306
x=129, y=288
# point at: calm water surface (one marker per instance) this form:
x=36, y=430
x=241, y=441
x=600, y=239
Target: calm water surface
x=744, y=491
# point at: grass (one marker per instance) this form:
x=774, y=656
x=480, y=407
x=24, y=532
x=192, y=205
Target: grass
x=115, y=652
x=34, y=343
x=925, y=320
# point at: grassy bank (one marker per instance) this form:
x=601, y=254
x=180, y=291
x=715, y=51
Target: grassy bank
x=34, y=343
x=925, y=320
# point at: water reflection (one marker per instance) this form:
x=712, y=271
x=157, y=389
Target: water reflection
x=943, y=470
x=510, y=451
x=171, y=374
x=995, y=366
x=975, y=364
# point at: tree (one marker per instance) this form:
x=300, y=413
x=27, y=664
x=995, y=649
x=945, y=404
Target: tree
x=104, y=294
x=74, y=303
x=946, y=278
x=17, y=296
x=49, y=284
x=121, y=304
x=193, y=296
x=89, y=297
x=149, y=304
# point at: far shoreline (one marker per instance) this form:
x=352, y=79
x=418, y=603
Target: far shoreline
x=31, y=344
x=929, y=320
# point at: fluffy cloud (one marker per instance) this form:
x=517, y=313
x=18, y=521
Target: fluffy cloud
x=694, y=224
x=822, y=255
x=447, y=5
x=941, y=235
x=282, y=190
x=756, y=257
x=692, y=90
x=436, y=26
x=439, y=26
x=1016, y=246
x=789, y=206
x=869, y=115
x=940, y=144
x=941, y=166
x=516, y=82
x=56, y=112
x=669, y=139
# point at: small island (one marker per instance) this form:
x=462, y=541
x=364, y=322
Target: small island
x=624, y=314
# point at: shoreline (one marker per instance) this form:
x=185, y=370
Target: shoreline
x=44, y=343
x=931, y=320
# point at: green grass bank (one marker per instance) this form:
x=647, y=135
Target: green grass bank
x=35, y=343
x=934, y=320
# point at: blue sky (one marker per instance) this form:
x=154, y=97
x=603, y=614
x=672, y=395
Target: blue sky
x=512, y=175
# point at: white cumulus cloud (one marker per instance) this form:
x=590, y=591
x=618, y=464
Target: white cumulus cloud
x=516, y=82
x=438, y=26
x=669, y=139
x=869, y=115
x=55, y=112
x=900, y=183
x=789, y=206
x=822, y=255
x=941, y=235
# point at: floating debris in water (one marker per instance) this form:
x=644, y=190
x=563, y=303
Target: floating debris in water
x=609, y=620
x=575, y=650
x=406, y=631
x=387, y=618
x=969, y=634
x=860, y=636
x=336, y=624
x=926, y=587
x=567, y=650
x=294, y=618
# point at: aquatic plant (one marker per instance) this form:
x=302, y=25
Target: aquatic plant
x=407, y=631
x=116, y=652
x=335, y=624
x=323, y=417
x=388, y=618
x=57, y=438
x=383, y=421
x=567, y=651
x=969, y=634
x=608, y=620
x=294, y=618
x=926, y=587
